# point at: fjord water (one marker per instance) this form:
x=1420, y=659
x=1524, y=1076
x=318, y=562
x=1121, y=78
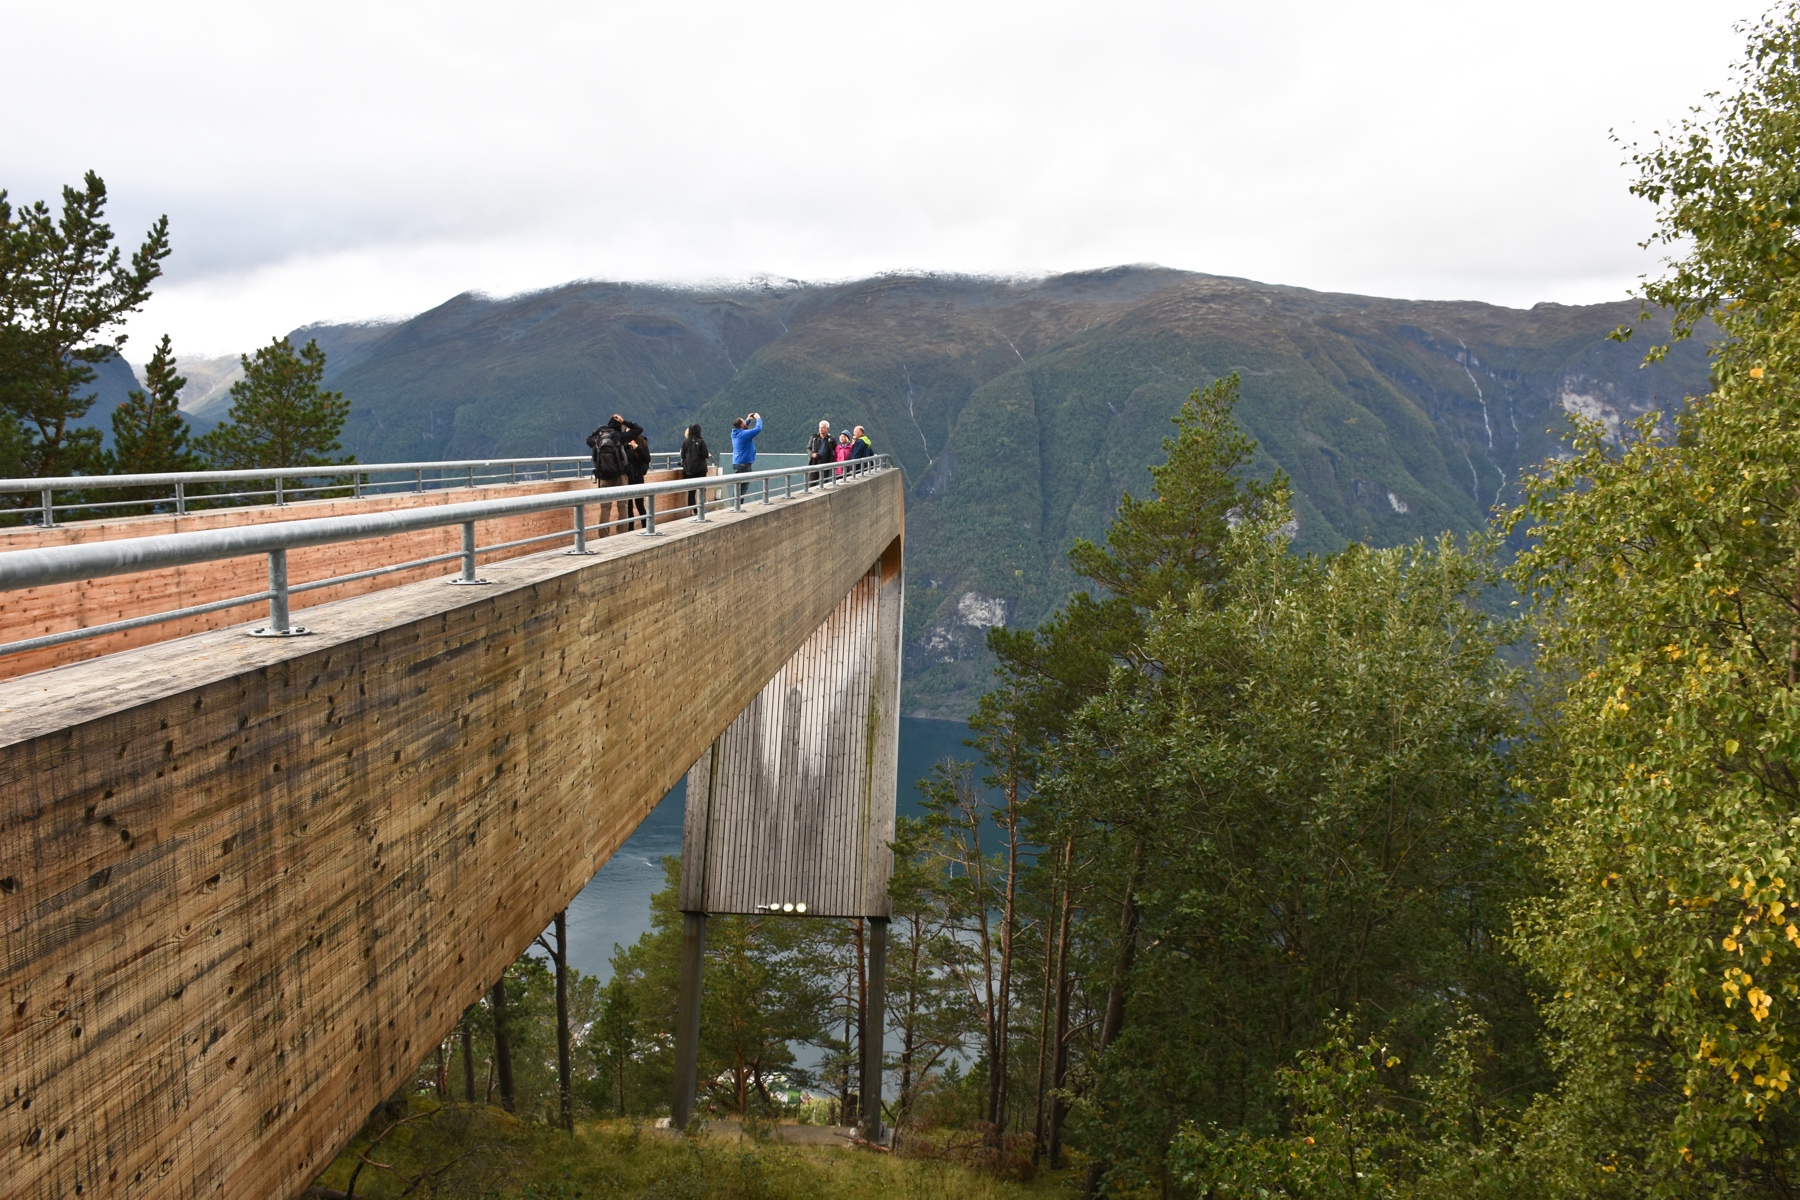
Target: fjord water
x=614, y=908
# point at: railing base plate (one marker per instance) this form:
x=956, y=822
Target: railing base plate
x=290, y=631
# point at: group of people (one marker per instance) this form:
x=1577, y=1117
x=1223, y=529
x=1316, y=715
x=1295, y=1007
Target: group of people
x=822, y=449
x=622, y=457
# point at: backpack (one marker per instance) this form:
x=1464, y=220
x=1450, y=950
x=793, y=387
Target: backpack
x=693, y=457
x=609, y=452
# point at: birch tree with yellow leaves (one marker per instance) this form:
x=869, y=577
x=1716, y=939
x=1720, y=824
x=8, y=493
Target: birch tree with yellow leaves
x=1665, y=569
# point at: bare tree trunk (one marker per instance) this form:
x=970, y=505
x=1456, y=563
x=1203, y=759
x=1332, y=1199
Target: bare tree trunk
x=468, y=1053
x=862, y=1016
x=845, y=1096
x=908, y=1030
x=440, y=1075
x=1009, y=920
x=1044, y=1006
x=621, y=1085
x=564, y=1100
x=1059, y=1069
x=1114, y=1019
x=978, y=881
x=503, y=1045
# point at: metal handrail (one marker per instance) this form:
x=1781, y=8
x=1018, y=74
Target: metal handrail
x=49, y=565
x=358, y=477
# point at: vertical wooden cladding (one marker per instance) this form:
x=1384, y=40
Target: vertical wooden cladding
x=245, y=886
x=794, y=804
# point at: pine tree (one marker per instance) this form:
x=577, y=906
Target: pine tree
x=615, y=1037
x=280, y=416
x=149, y=433
x=64, y=290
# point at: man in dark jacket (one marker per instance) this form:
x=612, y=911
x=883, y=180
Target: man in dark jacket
x=859, y=445
x=694, y=459
x=821, y=448
x=612, y=462
x=637, y=466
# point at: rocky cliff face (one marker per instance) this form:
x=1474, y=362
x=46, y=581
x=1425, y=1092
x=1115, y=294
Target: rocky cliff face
x=1021, y=409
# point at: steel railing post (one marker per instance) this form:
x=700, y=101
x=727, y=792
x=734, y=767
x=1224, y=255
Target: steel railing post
x=471, y=476
x=468, y=556
x=468, y=551
x=278, y=625
x=278, y=593
x=580, y=530
x=279, y=499
x=737, y=496
x=49, y=510
x=180, y=498
x=650, y=516
x=512, y=472
x=765, y=491
x=419, y=480
x=700, y=500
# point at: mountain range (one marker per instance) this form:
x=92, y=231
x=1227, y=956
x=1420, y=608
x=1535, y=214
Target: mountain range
x=1020, y=409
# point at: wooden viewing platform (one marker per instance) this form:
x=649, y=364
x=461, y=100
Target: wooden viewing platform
x=247, y=884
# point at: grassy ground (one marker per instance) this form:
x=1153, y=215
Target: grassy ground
x=459, y=1151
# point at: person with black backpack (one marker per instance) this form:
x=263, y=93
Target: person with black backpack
x=694, y=459
x=612, y=461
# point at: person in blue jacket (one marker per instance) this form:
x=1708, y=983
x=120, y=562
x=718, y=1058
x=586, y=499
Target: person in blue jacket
x=859, y=445
x=743, y=446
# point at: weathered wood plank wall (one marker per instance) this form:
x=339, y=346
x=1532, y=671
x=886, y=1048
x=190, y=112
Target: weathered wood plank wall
x=245, y=886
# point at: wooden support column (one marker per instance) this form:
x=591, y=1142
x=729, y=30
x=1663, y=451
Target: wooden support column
x=791, y=811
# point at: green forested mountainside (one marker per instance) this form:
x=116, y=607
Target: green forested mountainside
x=534, y=374
x=112, y=383
x=1021, y=409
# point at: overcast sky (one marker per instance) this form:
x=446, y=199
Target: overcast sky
x=345, y=161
